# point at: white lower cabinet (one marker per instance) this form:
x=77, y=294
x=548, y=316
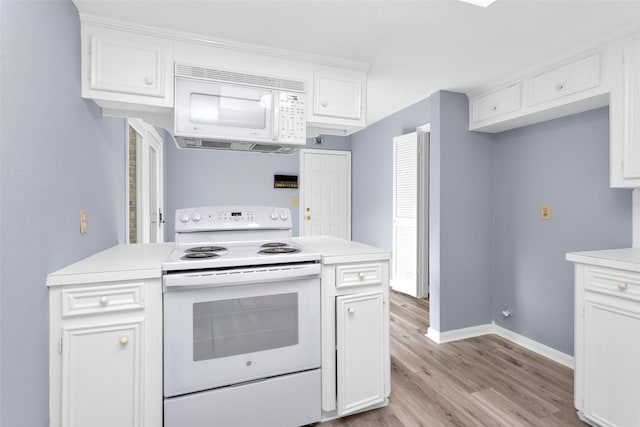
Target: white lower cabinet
x=607, y=376
x=356, y=372
x=360, y=351
x=106, y=354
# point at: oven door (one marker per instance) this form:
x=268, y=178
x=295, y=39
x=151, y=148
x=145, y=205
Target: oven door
x=218, y=335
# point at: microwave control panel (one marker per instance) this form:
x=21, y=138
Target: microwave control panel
x=293, y=125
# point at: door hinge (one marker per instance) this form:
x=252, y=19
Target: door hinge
x=60, y=346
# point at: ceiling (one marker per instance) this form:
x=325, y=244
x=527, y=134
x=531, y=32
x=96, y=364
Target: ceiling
x=414, y=48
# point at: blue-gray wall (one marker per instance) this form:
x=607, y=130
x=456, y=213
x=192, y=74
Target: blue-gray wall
x=564, y=163
x=460, y=217
x=58, y=156
x=213, y=177
x=372, y=173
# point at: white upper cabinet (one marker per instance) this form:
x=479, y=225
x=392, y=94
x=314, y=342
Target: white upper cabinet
x=629, y=175
x=126, y=70
x=119, y=64
x=576, y=77
x=338, y=96
x=555, y=90
x=496, y=103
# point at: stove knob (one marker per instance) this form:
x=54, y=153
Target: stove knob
x=274, y=215
x=196, y=216
x=184, y=218
x=284, y=216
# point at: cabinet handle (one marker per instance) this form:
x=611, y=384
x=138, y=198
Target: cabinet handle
x=148, y=80
x=622, y=286
x=361, y=275
x=351, y=310
x=494, y=108
x=104, y=300
x=559, y=86
x=325, y=103
x=124, y=341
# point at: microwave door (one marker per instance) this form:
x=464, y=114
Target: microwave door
x=227, y=111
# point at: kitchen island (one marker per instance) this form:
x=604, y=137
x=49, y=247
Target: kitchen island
x=106, y=333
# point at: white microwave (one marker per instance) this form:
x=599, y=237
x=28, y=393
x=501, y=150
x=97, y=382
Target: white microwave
x=236, y=111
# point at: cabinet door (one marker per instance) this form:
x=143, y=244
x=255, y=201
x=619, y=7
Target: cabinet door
x=360, y=342
x=573, y=78
x=337, y=96
x=132, y=66
x=102, y=375
x=496, y=103
x=631, y=138
x=612, y=352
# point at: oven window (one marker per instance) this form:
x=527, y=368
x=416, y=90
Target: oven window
x=244, y=325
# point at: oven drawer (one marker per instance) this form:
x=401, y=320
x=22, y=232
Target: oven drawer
x=89, y=300
x=358, y=275
x=288, y=400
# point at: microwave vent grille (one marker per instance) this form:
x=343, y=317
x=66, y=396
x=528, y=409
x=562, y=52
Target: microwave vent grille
x=191, y=71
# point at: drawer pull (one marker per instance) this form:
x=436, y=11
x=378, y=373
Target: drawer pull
x=351, y=310
x=124, y=341
x=622, y=286
x=149, y=80
x=104, y=300
x=361, y=275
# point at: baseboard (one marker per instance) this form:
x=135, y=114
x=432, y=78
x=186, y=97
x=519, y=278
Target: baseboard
x=492, y=328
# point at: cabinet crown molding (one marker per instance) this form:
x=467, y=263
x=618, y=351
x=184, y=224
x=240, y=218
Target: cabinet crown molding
x=223, y=43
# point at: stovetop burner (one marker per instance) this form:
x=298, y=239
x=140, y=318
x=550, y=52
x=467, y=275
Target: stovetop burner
x=278, y=250
x=199, y=255
x=199, y=249
x=274, y=245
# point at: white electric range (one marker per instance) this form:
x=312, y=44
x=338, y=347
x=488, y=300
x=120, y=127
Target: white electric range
x=241, y=321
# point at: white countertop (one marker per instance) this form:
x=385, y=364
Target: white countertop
x=623, y=259
x=334, y=250
x=121, y=262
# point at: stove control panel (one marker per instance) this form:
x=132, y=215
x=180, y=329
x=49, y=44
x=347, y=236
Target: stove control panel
x=217, y=218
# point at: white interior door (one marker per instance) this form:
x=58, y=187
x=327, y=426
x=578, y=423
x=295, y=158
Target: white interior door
x=325, y=193
x=410, y=230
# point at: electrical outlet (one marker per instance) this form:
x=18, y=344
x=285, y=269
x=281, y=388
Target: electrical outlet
x=83, y=221
x=545, y=212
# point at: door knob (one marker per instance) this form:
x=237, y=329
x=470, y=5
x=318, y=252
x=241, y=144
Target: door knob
x=307, y=217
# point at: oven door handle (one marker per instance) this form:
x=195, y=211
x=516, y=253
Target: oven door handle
x=240, y=276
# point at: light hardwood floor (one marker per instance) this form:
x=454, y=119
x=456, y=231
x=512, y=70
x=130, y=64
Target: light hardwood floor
x=483, y=381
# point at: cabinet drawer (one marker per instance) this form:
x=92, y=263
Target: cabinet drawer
x=496, y=103
x=576, y=77
x=102, y=299
x=358, y=275
x=612, y=282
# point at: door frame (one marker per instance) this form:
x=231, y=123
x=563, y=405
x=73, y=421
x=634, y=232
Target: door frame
x=344, y=153
x=148, y=135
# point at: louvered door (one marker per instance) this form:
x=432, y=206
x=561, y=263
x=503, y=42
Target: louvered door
x=405, y=213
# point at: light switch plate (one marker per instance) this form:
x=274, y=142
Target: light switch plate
x=83, y=221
